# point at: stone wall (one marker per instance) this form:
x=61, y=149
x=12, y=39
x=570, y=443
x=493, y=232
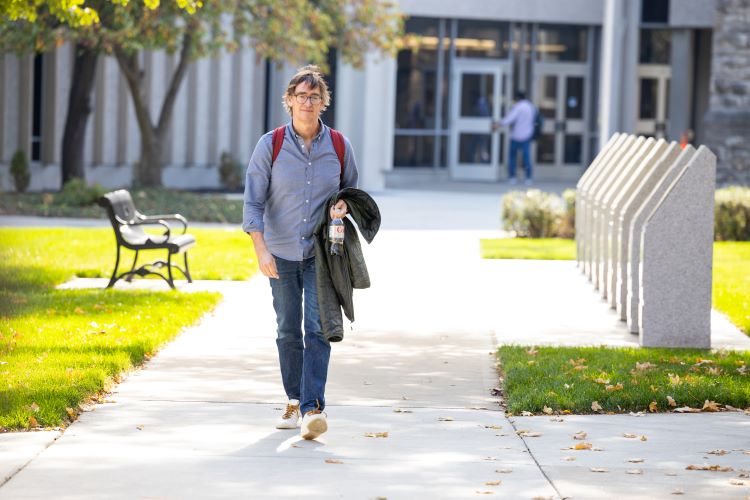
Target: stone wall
x=728, y=119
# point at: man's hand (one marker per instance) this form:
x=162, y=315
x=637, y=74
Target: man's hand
x=266, y=262
x=339, y=210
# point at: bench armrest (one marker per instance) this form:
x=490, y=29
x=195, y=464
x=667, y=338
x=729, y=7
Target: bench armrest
x=166, y=217
x=140, y=222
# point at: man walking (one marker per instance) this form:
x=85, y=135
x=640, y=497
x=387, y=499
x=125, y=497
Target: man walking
x=291, y=175
x=521, y=119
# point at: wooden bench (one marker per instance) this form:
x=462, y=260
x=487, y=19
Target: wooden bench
x=128, y=224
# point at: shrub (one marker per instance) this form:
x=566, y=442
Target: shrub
x=19, y=169
x=230, y=172
x=532, y=214
x=567, y=227
x=76, y=193
x=732, y=214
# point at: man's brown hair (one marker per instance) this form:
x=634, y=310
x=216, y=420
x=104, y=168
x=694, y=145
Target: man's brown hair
x=311, y=75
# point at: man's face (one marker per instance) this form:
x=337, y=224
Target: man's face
x=309, y=109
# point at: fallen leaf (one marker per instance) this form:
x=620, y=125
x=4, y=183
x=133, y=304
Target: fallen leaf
x=496, y=427
x=674, y=379
x=616, y=387
x=547, y=410
x=637, y=414
x=445, y=419
x=710, y=406
x=71, y=412
x=532, y=352
x=33, y=422
x=568, y=459
x=503, y=471
x=737, y=482
x=34, y=407
x=557, y=419
x=678, y=491
x=333, y=461
x=595, y=406
x=527, y=414
x=528, y=433
x=634, y=471
x=139, y=427
x=671, y=401
x=643, y=438
x=636, y=460
x=598, y=469
x=686, y=409
x=582, y=446
x=602, y=381
x=652, y=406
x=296, y=446
x=493, y=483
x=644, y=366
x=717, y=452
x=629, y=436
x=78, y=310
x=715, y=468
x=376, y=434
x=580, y=435
x=399, y=410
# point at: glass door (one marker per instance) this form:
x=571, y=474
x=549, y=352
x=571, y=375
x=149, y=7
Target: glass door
x=653, y=100
x=475, y=151
x=561, y=95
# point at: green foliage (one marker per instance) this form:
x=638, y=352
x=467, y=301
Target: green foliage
x=19, y=170
x=77, y=193
x=532, y=214
x=732, y=214
x=568, y=222
x=528, y=248
x=570, y=379
x=230, y=172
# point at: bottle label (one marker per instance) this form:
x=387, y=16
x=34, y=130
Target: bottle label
x=336, y=233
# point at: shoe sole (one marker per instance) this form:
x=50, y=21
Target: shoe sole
x=287, y=426
x=315, y=429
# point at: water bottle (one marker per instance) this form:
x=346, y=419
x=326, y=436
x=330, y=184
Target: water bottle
x=336, y=235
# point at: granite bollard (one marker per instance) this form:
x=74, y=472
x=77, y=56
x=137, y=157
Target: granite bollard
x=676, y=260
x=642, y=207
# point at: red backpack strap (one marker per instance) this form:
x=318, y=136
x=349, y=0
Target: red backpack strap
x=340, y=147
x=277, y=140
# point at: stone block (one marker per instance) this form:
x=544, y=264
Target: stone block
x=640, y=151
x=582, y=188
x=659, y=162
x=676, y=260
x=613, y=265
x=663, y=176
x=629, y=149
x=610, y=164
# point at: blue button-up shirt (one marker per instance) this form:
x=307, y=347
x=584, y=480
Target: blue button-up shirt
x=286, y=202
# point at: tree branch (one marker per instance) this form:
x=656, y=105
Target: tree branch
x=174, y=85
x=128, y=64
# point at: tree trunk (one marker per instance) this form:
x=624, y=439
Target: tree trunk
x=79, y=109
x=148, y=170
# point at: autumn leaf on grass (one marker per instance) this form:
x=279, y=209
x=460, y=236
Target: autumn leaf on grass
x=78, y=310
x=333, y=461
x=652, y=406
x=34, y=407
x=602, y=381
x=532, y=352
x=671, y=401
x=376, y=434
x=598, y=469
x=71, y=412
x=547, y=410
x=33, y=422
x=715, y=468
x=595, y=406
x=674, y=379
x=710, y=406
x=580, y=435
x=635, y=471
x=616, y=387
x=687, y=409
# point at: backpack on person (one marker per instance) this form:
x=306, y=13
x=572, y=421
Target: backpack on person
x=277, y=140
x=538, y=124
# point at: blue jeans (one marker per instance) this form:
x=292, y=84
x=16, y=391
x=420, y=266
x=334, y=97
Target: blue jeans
x=304, y=366
x=524, y=147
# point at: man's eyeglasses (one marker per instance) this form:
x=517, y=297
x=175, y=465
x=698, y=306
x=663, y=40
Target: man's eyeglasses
x=315, y=99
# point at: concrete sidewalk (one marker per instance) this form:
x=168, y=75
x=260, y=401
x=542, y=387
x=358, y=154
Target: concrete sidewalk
x=197, y=421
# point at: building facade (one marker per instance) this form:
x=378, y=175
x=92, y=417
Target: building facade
x=592, y=67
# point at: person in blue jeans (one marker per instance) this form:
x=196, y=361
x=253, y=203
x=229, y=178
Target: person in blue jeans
x=521, y=120
x=284, y=200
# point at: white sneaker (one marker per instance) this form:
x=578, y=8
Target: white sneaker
x=512, y=181
x=313, y=424
x=290, y=418
x=529, y=182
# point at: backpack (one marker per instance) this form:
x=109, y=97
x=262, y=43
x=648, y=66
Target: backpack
x=338, y=144
x=538, y=125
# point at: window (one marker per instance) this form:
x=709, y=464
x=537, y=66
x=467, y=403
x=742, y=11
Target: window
x=482, y=39
x=656, y=46
x=561, y=43
x=655, y=11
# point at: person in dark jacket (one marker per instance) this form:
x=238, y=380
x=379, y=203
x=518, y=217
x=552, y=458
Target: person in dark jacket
x=285, y=198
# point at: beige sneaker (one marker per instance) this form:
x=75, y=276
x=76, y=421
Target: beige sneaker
x=290, y=418
x=313, y=424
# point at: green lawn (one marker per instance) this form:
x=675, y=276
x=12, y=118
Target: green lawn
x=731, y=270
x=569, y=379
x=60, y=348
